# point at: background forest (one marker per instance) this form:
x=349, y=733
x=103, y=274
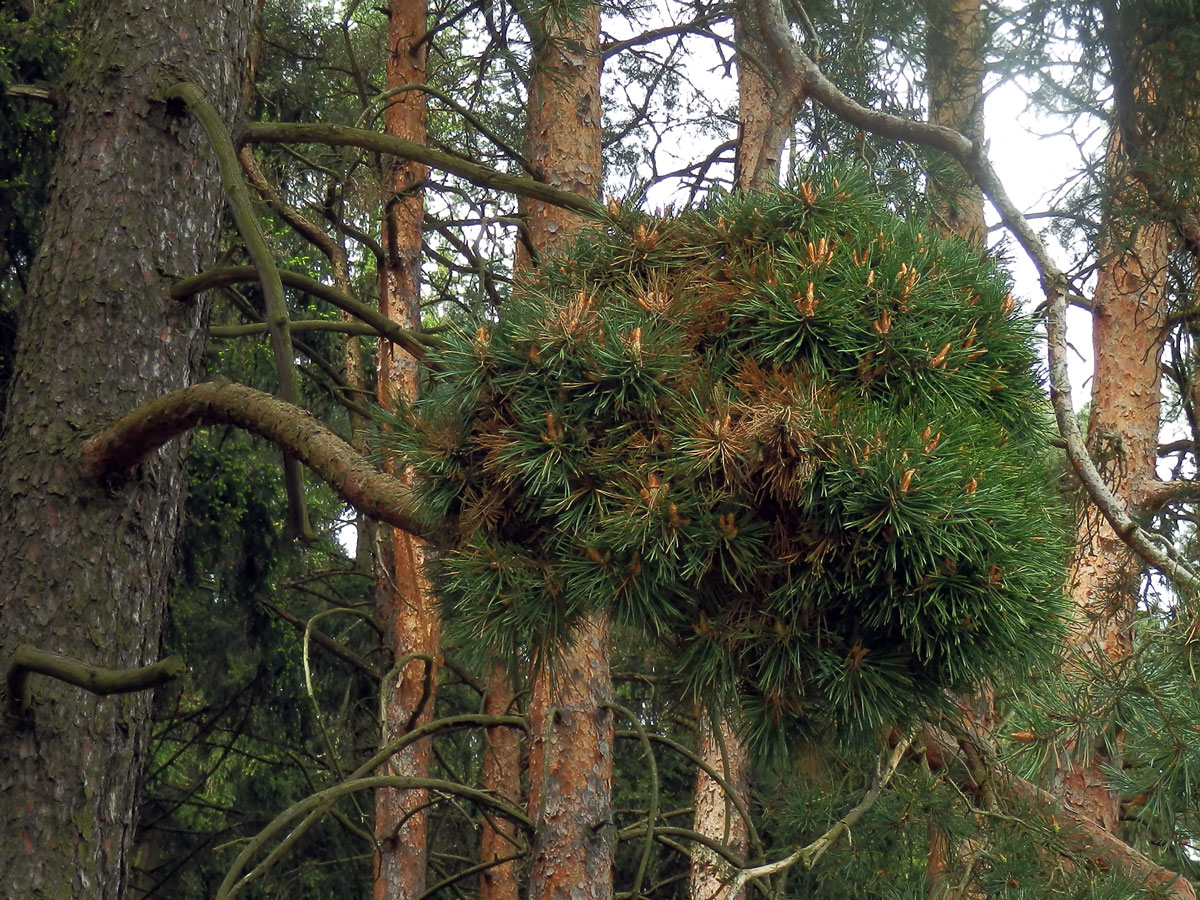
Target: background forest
x=769, y=551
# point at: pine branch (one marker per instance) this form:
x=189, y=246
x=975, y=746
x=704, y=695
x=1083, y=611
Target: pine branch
x=800, y=69
x=1080, y=834
x=481, y=175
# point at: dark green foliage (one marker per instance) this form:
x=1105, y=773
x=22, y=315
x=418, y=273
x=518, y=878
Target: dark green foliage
x=791, y=436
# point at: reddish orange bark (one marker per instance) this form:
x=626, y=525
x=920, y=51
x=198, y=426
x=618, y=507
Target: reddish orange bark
x=570, y=771
x=571, y=745
x=407, y=612
x=1128, y=326
x=502, y=777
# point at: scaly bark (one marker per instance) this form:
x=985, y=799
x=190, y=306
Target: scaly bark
x=954, y=68
x=407, y=611
x=767, y=108
x=84, y=566
x=571, y=744
x=570, y=771
x=1128, y=328
x=715, y=815
x=501, y=778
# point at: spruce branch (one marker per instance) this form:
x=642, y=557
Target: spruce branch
x=133, y=437
x=795, y=64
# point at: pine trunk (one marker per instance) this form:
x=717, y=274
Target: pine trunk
x=84, y=567
x=766, y=112
x=407, y=611
x=1128, y=328
x=502, y=778
x=716, y=816
x=571, y=744
x=954, y=79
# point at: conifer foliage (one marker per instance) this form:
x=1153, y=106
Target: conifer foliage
x=789, y=435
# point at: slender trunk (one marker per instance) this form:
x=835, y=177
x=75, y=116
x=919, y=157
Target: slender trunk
x=716, y=817
x=85, y=567
x=570, y=753
x=502, y=778
x=407, y=611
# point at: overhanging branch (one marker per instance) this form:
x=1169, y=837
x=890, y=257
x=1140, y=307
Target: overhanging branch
x=484, y=176
x=129, y=440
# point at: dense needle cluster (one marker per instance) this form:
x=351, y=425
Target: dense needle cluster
x=792, y=436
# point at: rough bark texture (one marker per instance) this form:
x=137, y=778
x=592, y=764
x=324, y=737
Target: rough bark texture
x=570, y=771
x=407, y=611
x=570, y=752
x=716, y=817
x=84, y=567
x=502, y=778
x=954, y=80
x=1128, y=325
x=766, y=108
x=564, y=126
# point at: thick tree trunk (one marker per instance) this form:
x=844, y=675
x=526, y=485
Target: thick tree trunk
x=407, y=611
x=766, y=108
x=570, y=771
x=571, y=745
x=85, y=567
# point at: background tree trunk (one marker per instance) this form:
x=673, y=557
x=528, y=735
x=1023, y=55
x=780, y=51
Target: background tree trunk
x=954, y=67
x=407, y=611
x=85, y=567
x=716, y=817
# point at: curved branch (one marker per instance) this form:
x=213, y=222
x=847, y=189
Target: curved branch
x=415, y=342
x=244, y=217
x=1079, y=833
x=129, y=440
x=797, y=66
x=27, y=659
x=484, y=176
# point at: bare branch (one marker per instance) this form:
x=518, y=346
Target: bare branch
x=128, y=441
x=27, y=659
x=343, y=136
